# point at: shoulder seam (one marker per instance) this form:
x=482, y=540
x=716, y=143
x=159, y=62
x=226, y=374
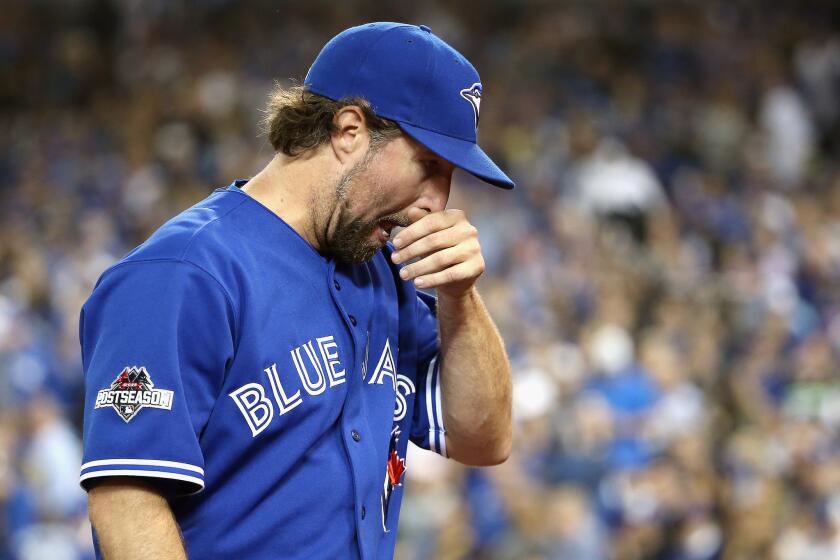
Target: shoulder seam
x=199, y=230
x=182, y=261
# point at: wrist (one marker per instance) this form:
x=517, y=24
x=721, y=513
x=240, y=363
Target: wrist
x=454, y=301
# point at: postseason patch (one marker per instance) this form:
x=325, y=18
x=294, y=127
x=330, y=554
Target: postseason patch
x=132, y=390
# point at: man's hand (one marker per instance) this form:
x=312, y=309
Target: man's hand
x=447, y=247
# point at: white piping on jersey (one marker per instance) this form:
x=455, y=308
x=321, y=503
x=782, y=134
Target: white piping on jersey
x=441, y=430
x=436, y=431
x=150, y=474
x=144, y=462
x=429, y=414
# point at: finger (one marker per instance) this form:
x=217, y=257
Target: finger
x=415, y=214
x=436, y=241
x=463, y=272
x=437, y=261
x=425, y=225
x=461, y=232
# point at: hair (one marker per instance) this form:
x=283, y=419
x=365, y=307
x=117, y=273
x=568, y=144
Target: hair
x=298, y=120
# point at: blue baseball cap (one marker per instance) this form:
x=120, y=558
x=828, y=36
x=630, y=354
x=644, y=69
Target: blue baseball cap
x=412, y=77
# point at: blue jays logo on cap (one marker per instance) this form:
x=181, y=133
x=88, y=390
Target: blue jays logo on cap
x=473, y=95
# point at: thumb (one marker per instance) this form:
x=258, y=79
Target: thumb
x=415, y=214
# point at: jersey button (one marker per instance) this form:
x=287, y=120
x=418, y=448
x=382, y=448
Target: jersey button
x=352, y=320
x=356, y=435
x=337, y=285
x=364, y=512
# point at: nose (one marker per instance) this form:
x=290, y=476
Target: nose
x=436, y=192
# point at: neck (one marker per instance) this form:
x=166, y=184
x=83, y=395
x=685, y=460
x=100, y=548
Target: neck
x=291, y=187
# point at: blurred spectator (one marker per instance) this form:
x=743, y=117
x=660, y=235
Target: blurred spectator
x=665, y=275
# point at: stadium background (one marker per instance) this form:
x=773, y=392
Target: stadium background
x=666, y=276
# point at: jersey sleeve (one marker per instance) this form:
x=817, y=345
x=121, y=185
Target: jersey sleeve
x=427, y=429
x=156, y=340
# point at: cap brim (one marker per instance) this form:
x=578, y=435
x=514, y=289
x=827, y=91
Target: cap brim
x=461, y=153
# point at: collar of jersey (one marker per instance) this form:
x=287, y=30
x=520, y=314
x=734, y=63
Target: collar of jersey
x=271, y=219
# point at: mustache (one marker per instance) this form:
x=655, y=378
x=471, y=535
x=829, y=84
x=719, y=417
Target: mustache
x=398, y=219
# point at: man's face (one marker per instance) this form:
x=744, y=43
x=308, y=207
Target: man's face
x=376, y=194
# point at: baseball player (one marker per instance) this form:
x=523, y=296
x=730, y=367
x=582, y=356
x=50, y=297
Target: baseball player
x=256, y=369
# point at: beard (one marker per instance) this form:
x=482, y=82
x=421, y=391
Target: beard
x=352, y=242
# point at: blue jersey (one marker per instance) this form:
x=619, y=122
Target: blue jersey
x=267, y=390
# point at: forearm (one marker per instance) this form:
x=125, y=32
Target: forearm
x=475, y=374
x=475, y=382
x=133, y=522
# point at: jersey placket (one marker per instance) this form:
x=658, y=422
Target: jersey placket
x=353, y=299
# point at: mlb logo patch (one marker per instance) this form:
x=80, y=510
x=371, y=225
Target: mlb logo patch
x=131, y=391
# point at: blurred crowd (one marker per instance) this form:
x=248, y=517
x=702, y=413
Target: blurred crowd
x=666, y=275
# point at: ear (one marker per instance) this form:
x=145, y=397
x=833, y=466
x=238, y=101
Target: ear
x=350, y=140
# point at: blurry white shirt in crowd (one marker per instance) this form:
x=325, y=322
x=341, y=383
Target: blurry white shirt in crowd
x=47, y=541
x=611, y=349
x=818, y=67
x=790, y=134
x=680, y=411
x=51, y=464
x=797, y=544
x=534, y=394
x=611, y=180
x=218, y=93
